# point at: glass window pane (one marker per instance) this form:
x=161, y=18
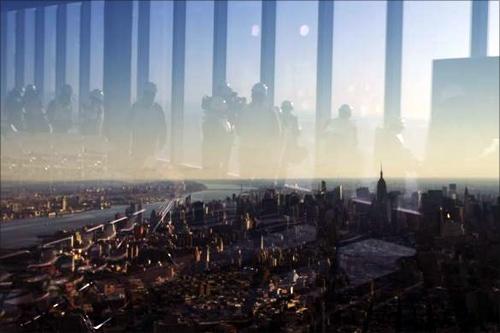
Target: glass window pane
x=133, y=74
x=29, y=47
x=358, y=68
x=160, y=53
x=431, y=30
x=11, y=49
x=96, y=44
x=50, y=52
x=199, y=49
x=243, y=45
x=73, y=51
x=160, y=63
x=295, y=77
x=493, y=28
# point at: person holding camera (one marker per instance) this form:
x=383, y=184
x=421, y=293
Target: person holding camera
x=235, y=103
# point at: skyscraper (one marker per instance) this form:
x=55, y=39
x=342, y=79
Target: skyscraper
x=381, y=187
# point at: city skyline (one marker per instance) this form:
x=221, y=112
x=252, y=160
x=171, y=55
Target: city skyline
x=249, y=166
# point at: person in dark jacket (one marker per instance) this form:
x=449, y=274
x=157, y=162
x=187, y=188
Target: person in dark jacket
x=149, y=129
x=60, y=110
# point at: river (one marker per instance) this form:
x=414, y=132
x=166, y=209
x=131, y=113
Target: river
x=25, y=232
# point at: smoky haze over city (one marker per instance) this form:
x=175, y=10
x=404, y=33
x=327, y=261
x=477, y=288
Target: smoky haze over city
x=244, y=166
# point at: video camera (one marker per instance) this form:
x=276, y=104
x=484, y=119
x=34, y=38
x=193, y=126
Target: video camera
x=234, y=102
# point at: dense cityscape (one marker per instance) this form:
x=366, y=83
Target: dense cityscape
x=267, y=259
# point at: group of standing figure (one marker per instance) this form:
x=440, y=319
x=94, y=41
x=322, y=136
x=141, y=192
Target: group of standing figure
x=341, y=155
x=267, y=135
x=25, y=112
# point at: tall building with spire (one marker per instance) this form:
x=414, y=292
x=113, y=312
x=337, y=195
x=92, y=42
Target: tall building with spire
x=381, y=206
x=381, y=187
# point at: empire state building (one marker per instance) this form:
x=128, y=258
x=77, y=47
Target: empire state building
x=381, y=188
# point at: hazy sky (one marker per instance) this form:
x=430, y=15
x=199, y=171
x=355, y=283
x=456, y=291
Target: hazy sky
x=431, y=30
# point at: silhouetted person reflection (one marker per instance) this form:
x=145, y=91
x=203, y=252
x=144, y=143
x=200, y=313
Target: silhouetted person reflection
x=235, y=103
x=60, y=110
x=259, y=134
x=14, y=109
x=390, y=149
x=340, y=145
x=148, y=125
x=218, y=137
x=91, y=114
x=292, y=152
x=34, y=115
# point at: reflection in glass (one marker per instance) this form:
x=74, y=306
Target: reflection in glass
x=445, y=34
x=199, y=46
x=358, y=69
x=295, y=77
